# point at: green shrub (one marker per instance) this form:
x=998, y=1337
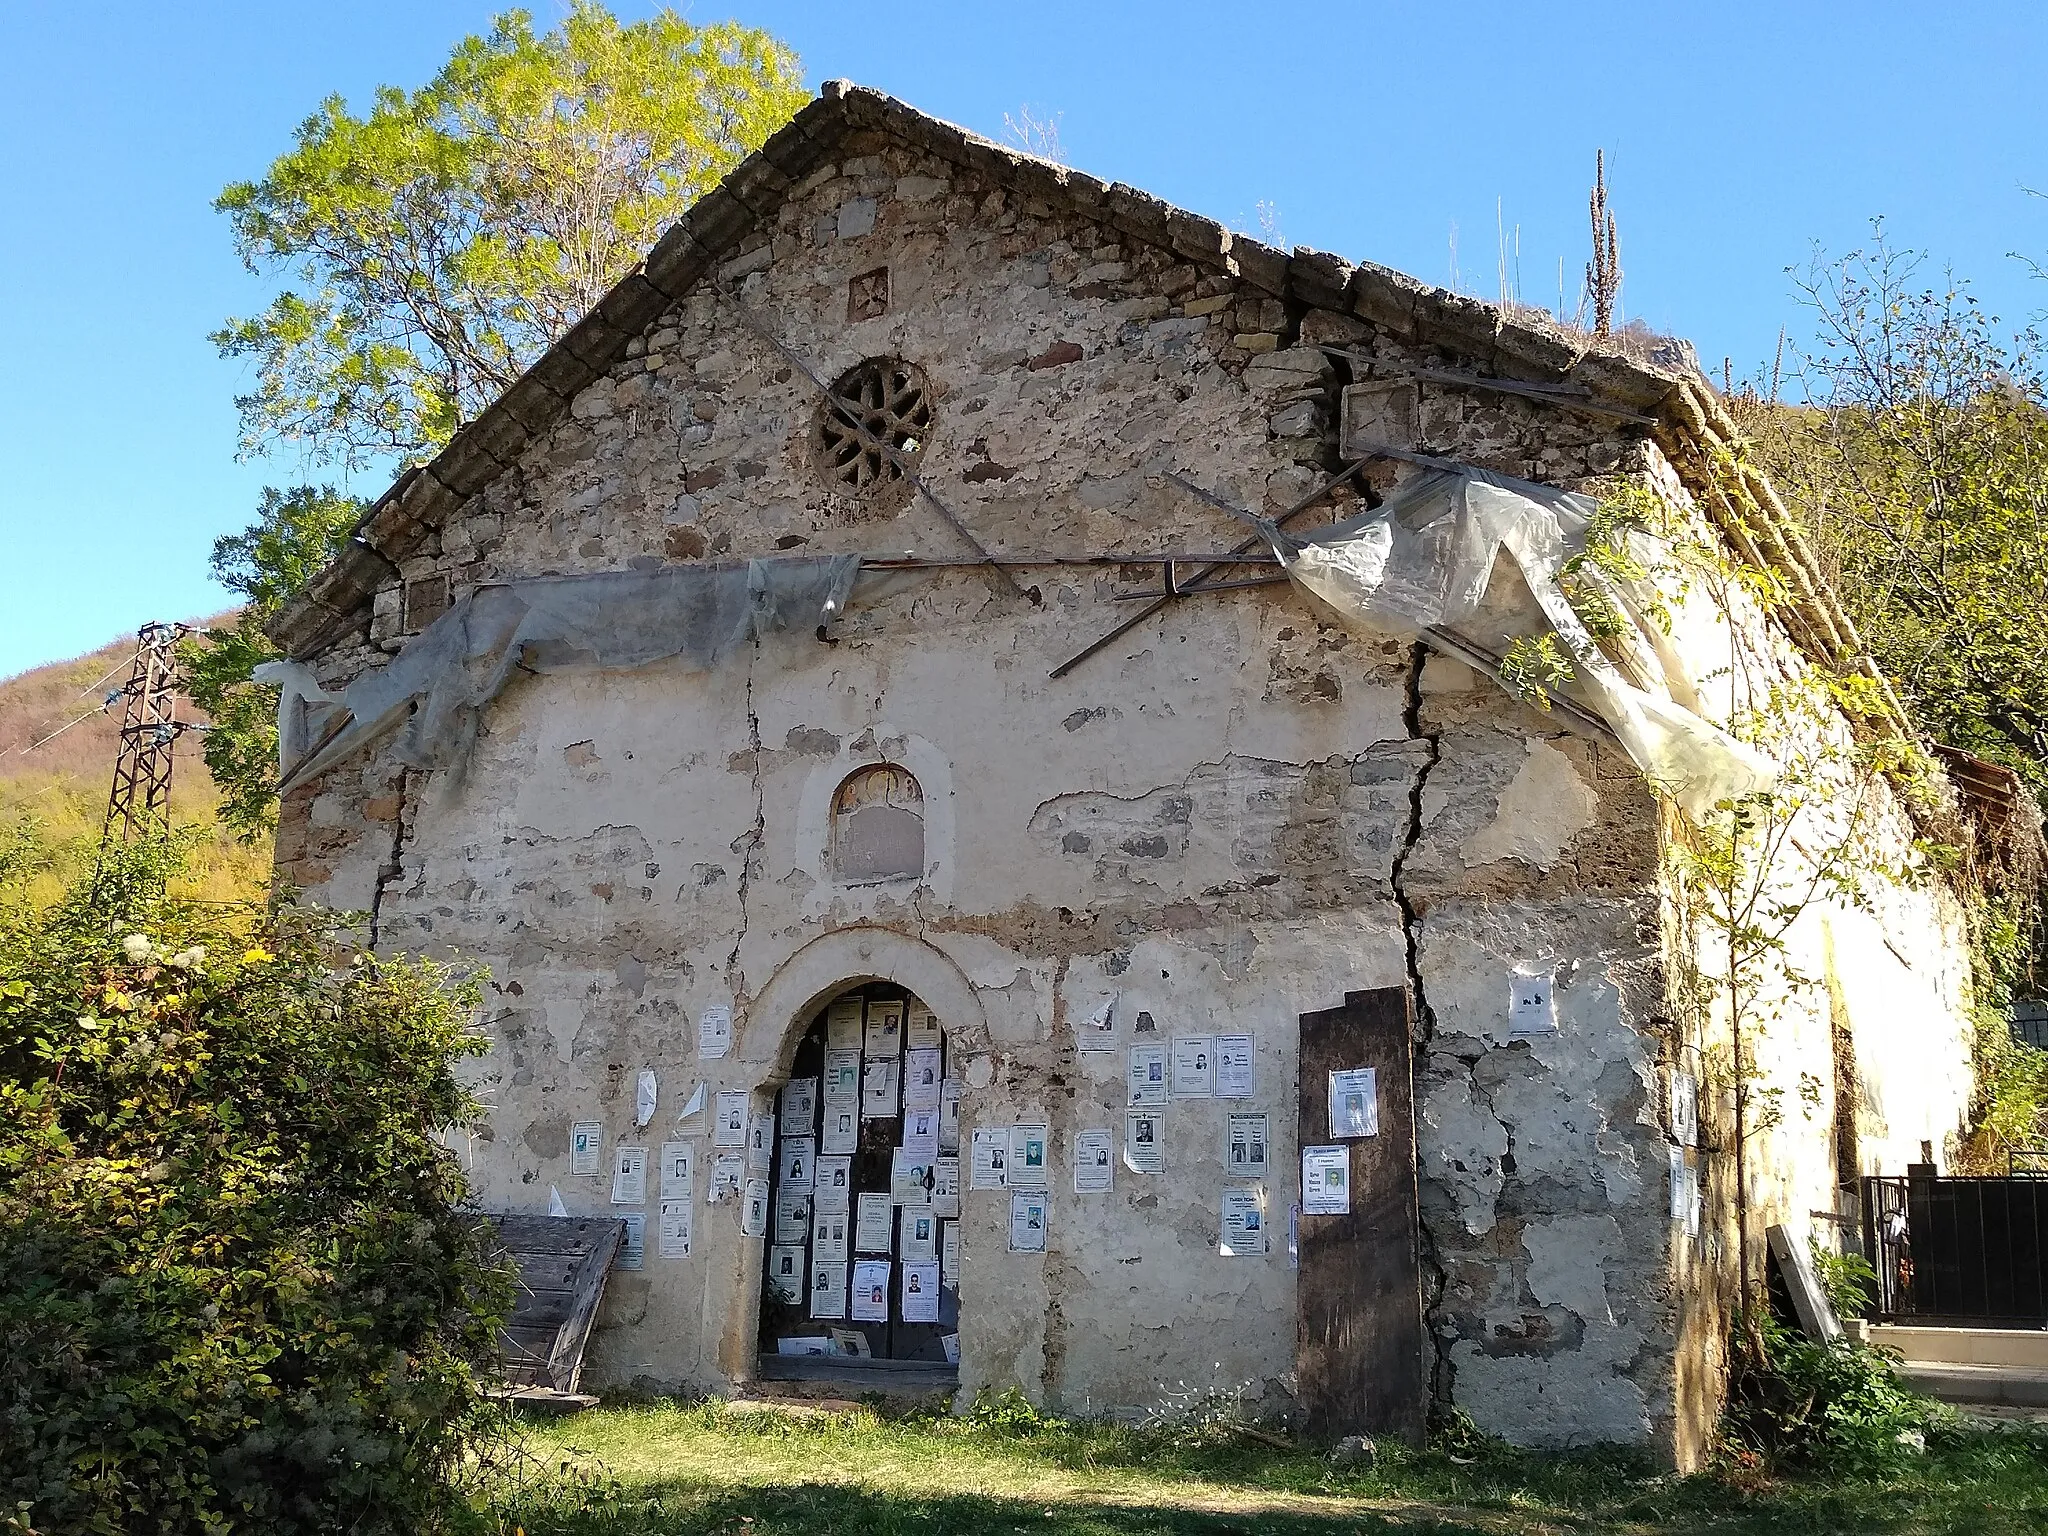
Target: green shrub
x=1836, y=1407
x=237, y=1289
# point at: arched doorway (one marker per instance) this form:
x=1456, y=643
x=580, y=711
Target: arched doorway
x=861, y=1270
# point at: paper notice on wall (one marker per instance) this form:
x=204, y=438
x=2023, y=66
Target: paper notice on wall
x=1294, y=1235
x=988, y=1158
x=799, y=1106
x=885, y=1029
x=831, y=1236
x=645, y=1091
x=586, y=1146
x=842, y=1079
x=1096, y=1029
x=920, y=1300
x=714, y=1032
x=673, y=1239
x=1685, y=1109
x=727, y=1170
x=921, y=1079
x=797, y=1163
x=949, y=1253
x=1094, y=1162
x=910, y=1177
x=1194, y=1067
x=850, y=1343
x=921, y=1133
x=950, y=1343
x=874, y=1228
x=786, y=1275
x=555, y=1205
x=1145, y=1077
x=1245, y=1139
x=792, y=1217
x=920, y=1237
x=1029, y=1162
x=731, y=1130
x=921, y=1030
x=1531, y=1009
x=1244, y=1224
x=679, y=1170
x=832, y=1183
x=695, y=1104
x=1145, y=1141
x=1354, y=1103
x=871, y=1291
x=946, y=1187
x=1680, y=1195
x=629, y=1176
x=1695, y=1200
x=879, y=1089
x=949, y=1115
x=1027, y=1223
x=633, y=1247
x=1234, y=1069
x=842, y=1131
x=761, y=1142
x=843, y=1025
x=1326, y=1181
x=754, y=1209
x=828, y=1287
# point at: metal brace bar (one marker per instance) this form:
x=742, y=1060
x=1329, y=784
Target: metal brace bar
x=1571, y=397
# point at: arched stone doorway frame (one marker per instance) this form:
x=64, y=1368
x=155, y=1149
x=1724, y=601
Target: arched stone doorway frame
x=774, y=1024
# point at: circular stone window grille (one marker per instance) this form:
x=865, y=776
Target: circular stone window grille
x=891, y=401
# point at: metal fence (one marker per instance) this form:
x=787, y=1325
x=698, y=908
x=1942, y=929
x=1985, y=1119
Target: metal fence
x=1962, y=1251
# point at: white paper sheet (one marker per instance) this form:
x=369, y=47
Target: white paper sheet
x=732, y=1120
x=714, y=1032
x=950, y=1343
x=1245, y=1142
x=798, y=1164
x=1326, y=1181
x=645, y=1092
x=842, y=1079
x=695, y=1104
x=949, y=1253
x=921, y=1133
x=843, y=1024
x=920, y=1237
x=1194, y=1067
x=727, y=1170
x=1027, y=1223
x=679, y=1170
x=633, y=1250
x=875, y=1224
x=754, y=1209
x=1695, y=1199
x=555, y=1205
x=802, y=1345
x=1094, y=1162
x=629, y=1176
x=850, y=1343
x=1235, y=1069
x=586, y=1146
x=1530, y=1006
x=792, y=1218
x=1244, y=1224
x=946, y=1187
x=761, y=1142
x=1685, y=1109
x=921, y=1030
x=800, y=1106
x=988, y=1157
x=786, y=1275
x=1354, y=1103
x=879, y=1089
x=871, y=1291
x=842, y=1131
x=885, y=1029
x=1145, y=1077
x=1096, y=1029
x=921, y=1079
x=1030, y=1158
x=673, y=1241
x=832, y=1187
x=828, y=1288
x=1145, y=1141
x=949, y=1115
x=910, y=1177
x=831, y=1236
x=920, y=1300
x=1294, y=1235
x=1679, y=1192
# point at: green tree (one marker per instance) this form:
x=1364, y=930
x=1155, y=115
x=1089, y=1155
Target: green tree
x=296, y=532
x=435, y=246
x=238, y=1290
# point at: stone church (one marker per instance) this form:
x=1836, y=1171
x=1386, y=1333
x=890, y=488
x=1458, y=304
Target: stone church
x=962, y=709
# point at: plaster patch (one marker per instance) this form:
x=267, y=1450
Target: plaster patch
x=1567, y=1259
x=1543, y=808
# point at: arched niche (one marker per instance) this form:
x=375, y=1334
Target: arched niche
x=878, y=826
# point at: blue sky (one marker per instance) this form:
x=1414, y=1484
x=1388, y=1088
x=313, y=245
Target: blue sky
x=1738, y=135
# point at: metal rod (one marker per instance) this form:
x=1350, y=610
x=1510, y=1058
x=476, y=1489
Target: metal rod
x=1480, y=659
x=1207, y=586
x=1140, y=557
x=1571, y=397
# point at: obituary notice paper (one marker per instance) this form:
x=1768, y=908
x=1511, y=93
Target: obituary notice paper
x=921, y=1029
x=828, y=1288
x=629, y=1176
x=1145, y=1141
x=1326, y=1181
x=714, y=1032
x=833, y=1183
x=989, y=1158
x=1097, y=1031
x=875, y=1226
x=885, y=1029
x=1028, y=1157
x=842, y=1079
x=1234, y=1070
x=1530, y=1010
x=678, y=1170
x=921, y=1133
x=879, y=1089
x=920, y=1237
x=1194, y=1067
x=754, y=1209
x=727, y=1169
x=949, y=1115
x=732, y=1120
x=1027, y=1223
x=842, y=1025
x=1146, y=1080
x=799, y=1162
x=1354, y=1103
x=1244, y=1224
x=674, y=1239
x=829, y=1241
x=633, y=1250
x=799, y=1106
x=946, y=1187
x=921, y=1079
x=871, y=1291
x=586, y=1142
x=792, y=1222
x=920, y=1302
x=842, y=1130
x=1244, y=1146
x=1094, y=1162
x=949, y=1252
x=786, y=1275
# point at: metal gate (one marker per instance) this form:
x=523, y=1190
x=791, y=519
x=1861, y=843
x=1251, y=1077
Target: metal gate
x=1958, y=1251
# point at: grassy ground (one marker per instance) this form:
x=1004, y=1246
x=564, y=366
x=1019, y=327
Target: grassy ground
x=682, y=1471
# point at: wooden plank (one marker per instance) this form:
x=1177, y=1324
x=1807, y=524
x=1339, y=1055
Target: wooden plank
x=1359, y=1343
x=563, y=1263
x=1816, y=1314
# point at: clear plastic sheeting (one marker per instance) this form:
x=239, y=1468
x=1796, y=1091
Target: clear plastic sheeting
x=433, y=692
x=1423, y=560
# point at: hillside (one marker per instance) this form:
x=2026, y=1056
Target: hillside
x=53, y=792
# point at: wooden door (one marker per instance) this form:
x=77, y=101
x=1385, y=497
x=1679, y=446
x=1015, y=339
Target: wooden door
x=1359, y=1346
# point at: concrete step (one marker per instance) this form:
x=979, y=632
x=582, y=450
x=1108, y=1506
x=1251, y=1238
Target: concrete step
x=2000, y=1385
x=2017, y=1348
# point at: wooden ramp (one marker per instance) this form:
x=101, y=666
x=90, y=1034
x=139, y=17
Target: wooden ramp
x=563, y=1262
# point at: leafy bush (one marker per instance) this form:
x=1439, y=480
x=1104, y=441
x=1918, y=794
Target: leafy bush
x=237, y=1291
x=1835, y=1407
